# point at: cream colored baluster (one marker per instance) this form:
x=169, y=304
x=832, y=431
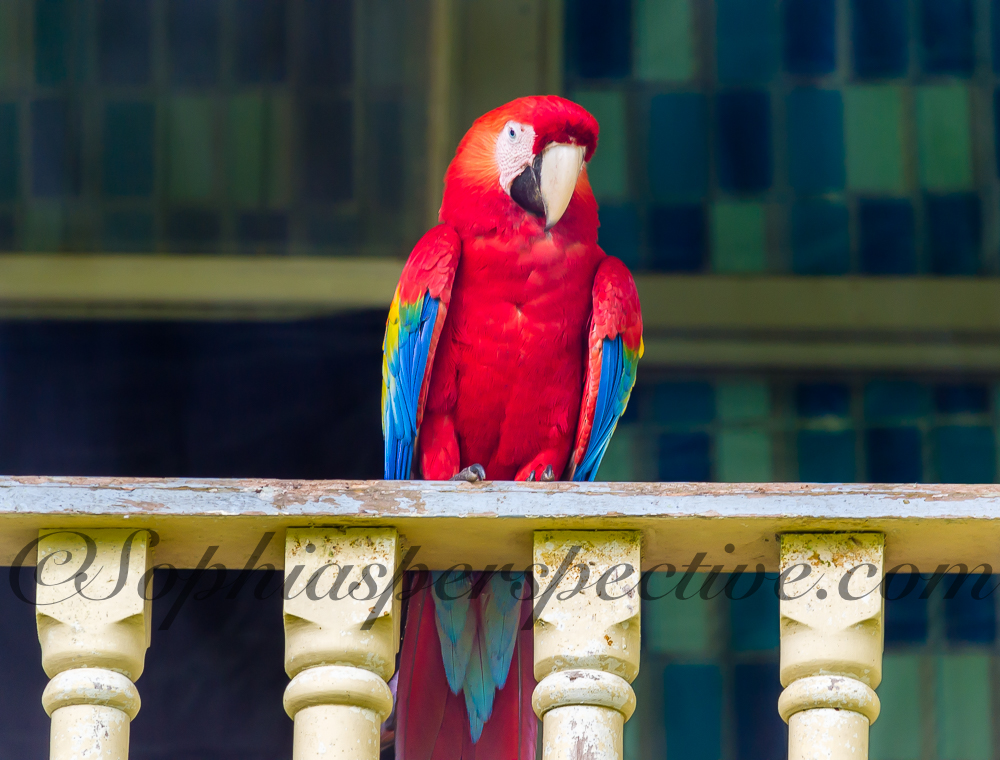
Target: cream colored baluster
x=93, y=625
x=831, y=643
x=338, y=694
x=586, y=643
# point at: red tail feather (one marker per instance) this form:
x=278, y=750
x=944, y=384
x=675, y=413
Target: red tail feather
x=432, y=723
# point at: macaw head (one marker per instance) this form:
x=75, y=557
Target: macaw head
x=523, y=163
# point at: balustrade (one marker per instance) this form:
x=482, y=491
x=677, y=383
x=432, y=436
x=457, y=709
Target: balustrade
x=342, y=616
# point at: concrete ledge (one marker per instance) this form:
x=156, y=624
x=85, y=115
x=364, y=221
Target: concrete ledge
x=492, y=523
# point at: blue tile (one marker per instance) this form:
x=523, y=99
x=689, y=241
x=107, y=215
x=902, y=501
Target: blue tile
x=815, y=140
x=262, y=227
x=744, y=141
x=685, y=457
x=760, y=731
x=327, y=169
x=8, y=241
x=193, y=230
x=193, y=31
x=128, y=231
x=826, y=457
x=678, y=146
x=10, y=152
x=55, y=149
x=823, y=400
x=753, y=621
x=810, y=36
x=821, y=242
x=599, y=38
x=618, y=234
x=894, y=455
x=328, y=42
x=894, y=399
x=905, y=611
x=261, y=41
x=886, y=231
x=970, y=609
x=53, y=35
x=880, y=37
x=127, y=152
x=962, y=398
x=965, y=454
x=746, y=40
x=124, y=31
x=677, y=238
x=692, y=711
x=954, y=232
x=946, y=28
x=684, y=403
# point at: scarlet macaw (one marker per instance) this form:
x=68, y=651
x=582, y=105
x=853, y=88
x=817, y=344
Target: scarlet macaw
x=510, y=353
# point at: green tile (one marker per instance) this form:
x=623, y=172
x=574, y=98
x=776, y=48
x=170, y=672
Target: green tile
x=738, y=237
x=740, y=401
x=664, y=35
x=896, y=734
x=873, y=117
x=675, y=625
x=608, y=169
x=944, y=143
x=744, y=456
x=278, y=189
x=44, y=227
x=618, y=463
x=191, y=149
x=963, y=706
x=245, y=149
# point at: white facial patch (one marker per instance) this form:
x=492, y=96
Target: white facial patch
x=514, y=151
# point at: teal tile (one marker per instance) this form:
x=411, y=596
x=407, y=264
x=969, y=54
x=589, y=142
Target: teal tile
x=618, y=463
x=191, y=151
x=873, y=133
x=944, y=138
x=664, y=35
x=744, y=456
x=738, y=234
x=672, y=625
x=896, y=735
x=964, y=706
x=742, y=401
x=608, y=169
x=10, y=52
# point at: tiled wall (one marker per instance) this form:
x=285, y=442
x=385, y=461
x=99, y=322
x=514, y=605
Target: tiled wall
x=747, y=429
x=799, y=136
x=210, y=125
x=708, y=685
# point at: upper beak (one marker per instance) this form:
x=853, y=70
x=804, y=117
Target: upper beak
x=546, y=187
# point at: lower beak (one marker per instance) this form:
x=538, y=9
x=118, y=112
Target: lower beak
x=546, y=187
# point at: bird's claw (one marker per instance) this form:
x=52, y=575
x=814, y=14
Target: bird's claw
x=548, y=475
x=474, y=473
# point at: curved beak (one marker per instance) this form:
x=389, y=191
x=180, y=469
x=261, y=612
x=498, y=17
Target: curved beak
x=546, y=187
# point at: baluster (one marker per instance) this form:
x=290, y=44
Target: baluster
x=92, y=612
x=586, y=643
x=341, y=637
x=831, y=643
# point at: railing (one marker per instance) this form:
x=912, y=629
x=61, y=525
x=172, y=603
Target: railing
x=95, y=540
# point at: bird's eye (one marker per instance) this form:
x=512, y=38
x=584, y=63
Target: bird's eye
x=511, y=133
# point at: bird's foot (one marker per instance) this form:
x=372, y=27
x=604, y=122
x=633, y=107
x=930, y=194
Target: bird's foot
x=548, y=475
x=474, y=473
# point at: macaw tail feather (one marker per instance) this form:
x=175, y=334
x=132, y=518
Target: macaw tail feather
x=462, y=640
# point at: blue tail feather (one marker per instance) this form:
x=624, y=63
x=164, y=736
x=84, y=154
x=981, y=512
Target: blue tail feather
x=456, y=627
x=479, y=687
x=501, y=617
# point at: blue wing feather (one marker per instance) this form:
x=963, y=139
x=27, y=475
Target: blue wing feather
x=613, y=391
x=406, y=368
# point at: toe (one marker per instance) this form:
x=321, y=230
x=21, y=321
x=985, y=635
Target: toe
x=548, y=475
